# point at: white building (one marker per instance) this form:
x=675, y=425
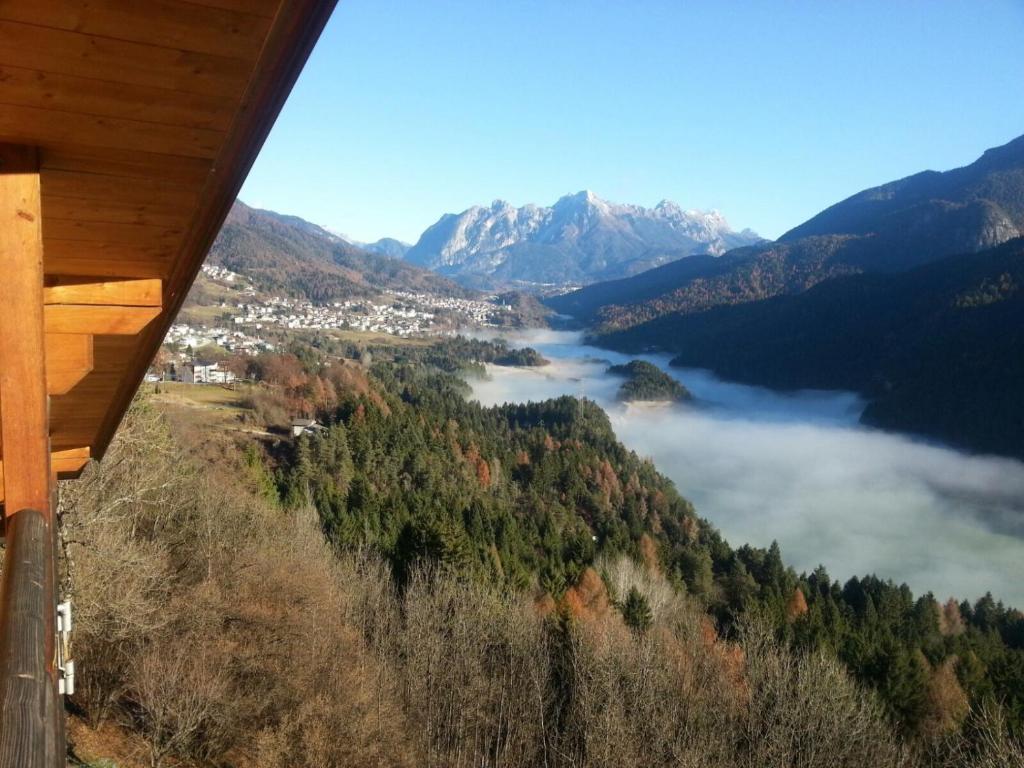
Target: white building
x=207, y=373
x=305, y=427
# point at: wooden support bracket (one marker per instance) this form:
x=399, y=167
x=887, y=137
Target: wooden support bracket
x=82, y=305
x=69, y=359
x=98, y=320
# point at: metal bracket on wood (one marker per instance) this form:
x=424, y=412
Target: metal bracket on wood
x=65, y=665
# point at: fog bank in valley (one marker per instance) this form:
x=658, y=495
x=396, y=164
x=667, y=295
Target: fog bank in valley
x=798, y=469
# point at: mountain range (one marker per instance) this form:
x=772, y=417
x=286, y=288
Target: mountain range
x=579, y=239
x=937, y=350
x=909, y=293
x=890, y=228
x=286, y=254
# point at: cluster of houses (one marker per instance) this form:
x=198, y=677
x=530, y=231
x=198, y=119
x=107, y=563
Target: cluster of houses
x=289, y=313
x=227, y=276
x=402, y=313
x=473, y=311
x=183, y=335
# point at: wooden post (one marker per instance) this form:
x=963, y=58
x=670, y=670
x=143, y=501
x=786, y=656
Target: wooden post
x=32, y=713
x=24, y=421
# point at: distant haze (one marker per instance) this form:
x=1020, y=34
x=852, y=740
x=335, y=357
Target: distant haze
x=763, y=466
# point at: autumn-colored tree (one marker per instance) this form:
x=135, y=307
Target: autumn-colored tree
x=947, y=704
x=951, y=622
x=283, y=370
x=797, y=605
x=483, y=473
x=588, y=598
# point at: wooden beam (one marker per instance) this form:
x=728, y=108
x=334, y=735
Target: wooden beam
x=69, y=359
x=24, y=417
x=69, y=461
x=61, y=289
x=65, y=464
x=98, y=320
x=31, y=719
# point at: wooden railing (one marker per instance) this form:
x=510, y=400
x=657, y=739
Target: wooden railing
x=31, y=712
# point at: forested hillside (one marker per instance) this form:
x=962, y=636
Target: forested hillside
x=289, y=256
x=511, y=572
x=890, y=228
x=937, y=351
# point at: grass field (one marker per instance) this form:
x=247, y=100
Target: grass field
x=202, y=394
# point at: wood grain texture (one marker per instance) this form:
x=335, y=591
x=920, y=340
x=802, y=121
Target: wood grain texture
x=166, y=23
x=69, y=359
x=45, y=126
x=24, y=418
x=67, y=52
x=127, y=293
x=63, y=464
x=31, y=723
x=119, y=163
x=100, y=98
x=147, y=115
x=98, y=320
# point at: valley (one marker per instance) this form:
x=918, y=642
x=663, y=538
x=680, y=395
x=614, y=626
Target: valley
x=368, y=400
x=437, y=426
x=798, y=469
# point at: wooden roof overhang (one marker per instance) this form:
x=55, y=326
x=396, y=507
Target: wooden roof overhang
x=126, y=130
x=144, y=117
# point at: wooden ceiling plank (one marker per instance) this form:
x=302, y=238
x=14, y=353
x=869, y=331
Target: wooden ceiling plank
x=117, y=61
x=126, y=191
x=126, y=293
x=69, y=358
x=165, y=23
x=172, y=169
x=98, y=320
x=62, y=253
x=266, y=8
x=18, y=123
x=68, y=93
x=112, y=212
x=95, y=266
x=109, y=232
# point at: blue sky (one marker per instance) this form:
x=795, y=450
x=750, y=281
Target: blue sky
x=767, y=111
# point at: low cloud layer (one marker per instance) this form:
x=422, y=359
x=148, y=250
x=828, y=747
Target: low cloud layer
x=798, y=469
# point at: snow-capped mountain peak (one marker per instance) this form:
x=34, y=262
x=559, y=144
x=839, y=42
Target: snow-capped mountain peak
x=580, y=238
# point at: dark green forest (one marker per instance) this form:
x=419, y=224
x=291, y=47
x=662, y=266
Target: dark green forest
x=937, y=351
x=646, y=381
x=531, y=495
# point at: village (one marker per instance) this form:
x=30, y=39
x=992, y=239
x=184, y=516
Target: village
x=247, y=319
